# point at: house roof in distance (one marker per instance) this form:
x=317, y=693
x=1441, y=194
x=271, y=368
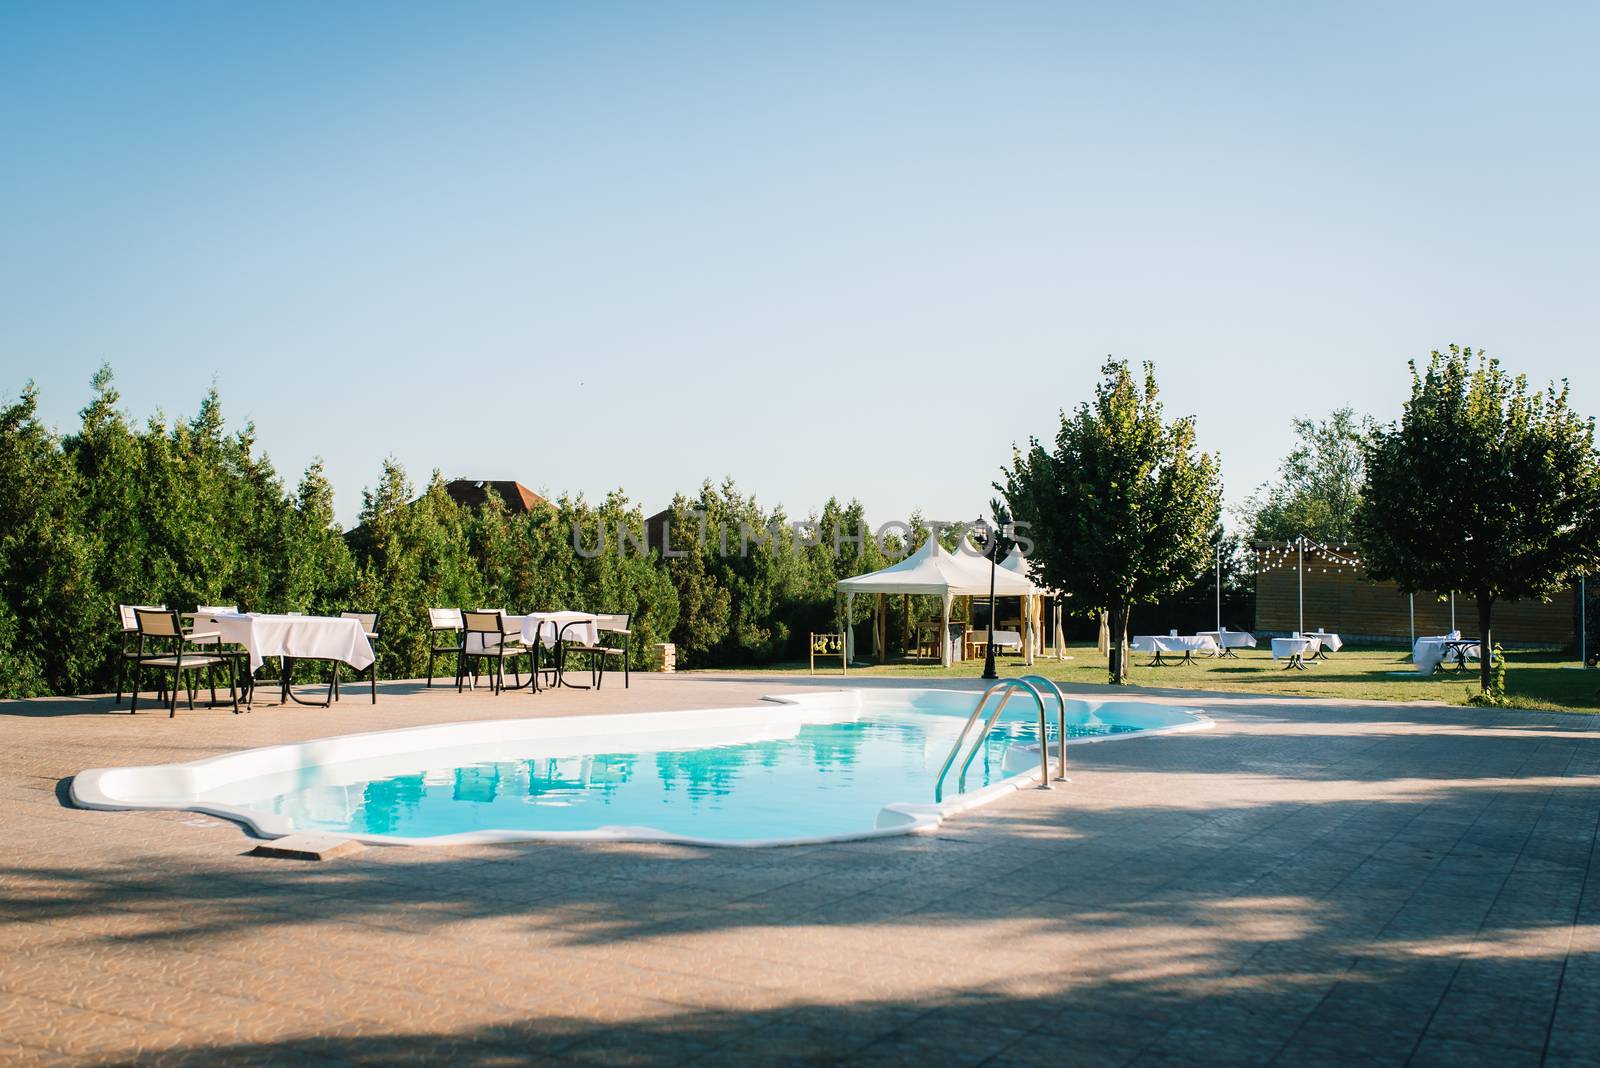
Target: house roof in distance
x=473, y=492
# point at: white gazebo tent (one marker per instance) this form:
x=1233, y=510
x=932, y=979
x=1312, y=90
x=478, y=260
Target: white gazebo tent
x=1019, y=563
x=933, y=571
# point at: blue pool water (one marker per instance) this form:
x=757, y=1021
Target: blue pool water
x=812, y=779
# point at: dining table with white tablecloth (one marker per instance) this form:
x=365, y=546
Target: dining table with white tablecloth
x=546, y=628
x=1003, y=639
x=292, y=637
x=554, y=629
x=1173, y=643
x=1427, y=653
x=1326, y=641
x=1295, y=649
x=1186, y=644
x=1230, y=639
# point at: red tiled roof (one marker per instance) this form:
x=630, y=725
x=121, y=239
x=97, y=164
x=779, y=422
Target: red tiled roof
x=473, y=492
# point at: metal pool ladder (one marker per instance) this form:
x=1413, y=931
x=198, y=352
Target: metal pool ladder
x=1007, y=689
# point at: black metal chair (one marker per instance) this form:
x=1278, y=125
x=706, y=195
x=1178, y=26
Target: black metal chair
x=185, y=652
x=128, y=645
x=494, y=643
x=610, y=627
x=442, y=621
x=369, y=625
x=237, y=653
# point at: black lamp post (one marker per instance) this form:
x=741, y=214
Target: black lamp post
x=994, y=553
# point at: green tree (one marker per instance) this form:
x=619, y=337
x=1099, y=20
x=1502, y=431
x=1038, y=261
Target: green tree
x=841, y=544
x=1482, y=487
x=258, y=516
x=492, y=540
x=48, y=619
x=751, y=583
x=412, y=556
x=107, y=455
x=1319, y=483
x=626, y=577
x=1123, y=508
x=318, y=569
x=733, y=569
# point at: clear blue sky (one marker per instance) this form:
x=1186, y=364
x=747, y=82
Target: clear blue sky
x=855, y=249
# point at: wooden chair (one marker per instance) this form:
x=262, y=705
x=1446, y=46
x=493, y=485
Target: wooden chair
x=186, y=652
x=443, y=621
x=495, y=643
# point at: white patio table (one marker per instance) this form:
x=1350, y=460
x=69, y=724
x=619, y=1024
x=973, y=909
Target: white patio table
x=1187, y=644
x=1007, y=639
x=1295, y=649
x=1428, y=653
x=547, y=628
x=1003, y=639
x=1326, y=643
x=551, y=629
x=292, y=638
x=1229, y=640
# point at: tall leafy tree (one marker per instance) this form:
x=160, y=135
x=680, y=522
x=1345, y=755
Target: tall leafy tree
x=108, y=458
x=705, y=604
x=1482, y=486
x=319, y=570
x=1123, y=506
x=627, y=577
x=840, y=544
x=738, y=567
x=414, y=555
x=48, y=618
x=1319, y=483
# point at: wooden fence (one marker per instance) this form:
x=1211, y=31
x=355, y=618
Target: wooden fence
x=1353, y=606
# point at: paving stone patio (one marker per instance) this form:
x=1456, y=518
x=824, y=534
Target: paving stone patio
x=1310, y=882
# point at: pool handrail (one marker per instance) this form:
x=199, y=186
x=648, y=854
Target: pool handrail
x=1008, y=688
x=1044, y=748
x=1061, y=726
x=955, y=750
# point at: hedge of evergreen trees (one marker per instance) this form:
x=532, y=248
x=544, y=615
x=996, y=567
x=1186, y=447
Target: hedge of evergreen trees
x=186, y=513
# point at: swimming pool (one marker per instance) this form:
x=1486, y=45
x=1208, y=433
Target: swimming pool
x=817, y=767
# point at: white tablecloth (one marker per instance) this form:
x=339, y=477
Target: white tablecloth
x=1302, y=647
x=544, y=627
x=1332, y=642
x=1173, y=643
x=1231, y=639
x=296, y=637
x=1009, y=639
x=1429, y=652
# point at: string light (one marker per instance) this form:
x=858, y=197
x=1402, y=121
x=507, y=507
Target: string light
x=1289, y=556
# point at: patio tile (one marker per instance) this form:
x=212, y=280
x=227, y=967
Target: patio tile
x=1286, y=892
x=1460, y=1053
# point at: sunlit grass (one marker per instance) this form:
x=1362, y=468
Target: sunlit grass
x=1539, y=679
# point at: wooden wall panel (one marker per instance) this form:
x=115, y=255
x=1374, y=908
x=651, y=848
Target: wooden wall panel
x=1353, y=606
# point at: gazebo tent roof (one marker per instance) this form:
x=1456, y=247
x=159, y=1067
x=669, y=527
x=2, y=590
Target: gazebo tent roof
x=933, y=570
x=1019, y=563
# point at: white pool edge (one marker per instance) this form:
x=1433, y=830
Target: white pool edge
x=96, y=788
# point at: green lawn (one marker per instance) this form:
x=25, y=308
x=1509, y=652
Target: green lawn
x=1539, y=679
